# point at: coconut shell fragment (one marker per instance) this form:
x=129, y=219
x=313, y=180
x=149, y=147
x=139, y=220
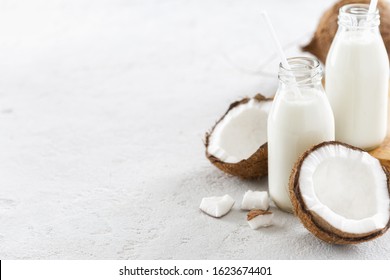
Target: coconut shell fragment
x=252, y=166
x=322, y=212
x=327, y=28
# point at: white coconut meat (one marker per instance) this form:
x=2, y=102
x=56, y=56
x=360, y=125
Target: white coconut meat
x=255, y=200
x=259, y=218
x=346, y=187
x=217, y=206
x=241, y=132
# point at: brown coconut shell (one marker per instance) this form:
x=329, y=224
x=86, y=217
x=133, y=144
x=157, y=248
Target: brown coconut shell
x=256, y=212
x=316, y=224
x=327, y=27
x=256, y=165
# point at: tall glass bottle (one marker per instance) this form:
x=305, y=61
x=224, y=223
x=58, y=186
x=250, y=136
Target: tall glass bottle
x=300, y=117
x=357, y=78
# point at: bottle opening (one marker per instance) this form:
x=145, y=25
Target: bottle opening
x=357, y=16
x=304, y=71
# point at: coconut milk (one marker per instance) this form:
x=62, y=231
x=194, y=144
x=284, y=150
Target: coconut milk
x=357, y=79
x=295, y=123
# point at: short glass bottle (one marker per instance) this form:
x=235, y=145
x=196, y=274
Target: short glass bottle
x=300, y=117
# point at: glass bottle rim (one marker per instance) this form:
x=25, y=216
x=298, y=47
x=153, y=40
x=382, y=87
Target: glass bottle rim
x=357, y=16
x=304, y=70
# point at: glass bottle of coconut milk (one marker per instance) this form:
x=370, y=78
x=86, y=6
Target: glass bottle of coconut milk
x=357, y=78
x=300, y=117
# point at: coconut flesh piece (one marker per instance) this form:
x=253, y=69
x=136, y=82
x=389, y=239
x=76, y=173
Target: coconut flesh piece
x=341, y=193
x=255, y=200
x=237, y=142
x=259, y=218
x=217, y=206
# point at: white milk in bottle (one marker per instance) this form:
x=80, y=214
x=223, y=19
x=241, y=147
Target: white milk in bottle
x=357, y=78
x=300, y=117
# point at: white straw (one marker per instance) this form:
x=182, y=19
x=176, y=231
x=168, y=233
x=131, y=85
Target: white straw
x=276, y=41
x=372, y=7
x=282, y=55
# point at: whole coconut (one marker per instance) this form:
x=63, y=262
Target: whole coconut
x=327, y=27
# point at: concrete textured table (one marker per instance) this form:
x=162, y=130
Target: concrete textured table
x=103, y=108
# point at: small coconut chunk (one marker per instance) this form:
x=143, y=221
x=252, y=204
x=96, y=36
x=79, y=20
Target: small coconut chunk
x=255, y=200
x=259, y=218
x=217, y=206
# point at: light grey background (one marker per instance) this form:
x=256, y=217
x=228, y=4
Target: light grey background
x=103, y=107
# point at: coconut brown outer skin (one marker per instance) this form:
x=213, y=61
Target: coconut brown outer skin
x=256, y=165
x=327, y=28
x=314, y=223
x=257, y=212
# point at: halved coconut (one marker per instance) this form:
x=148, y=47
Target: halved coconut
x=341, y=193
x=237, y=144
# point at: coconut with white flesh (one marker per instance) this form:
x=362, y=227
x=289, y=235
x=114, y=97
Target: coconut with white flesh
x=217, y=206
x=341, y=193
x=237, y=144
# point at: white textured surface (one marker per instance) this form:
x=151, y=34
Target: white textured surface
x=103, y=108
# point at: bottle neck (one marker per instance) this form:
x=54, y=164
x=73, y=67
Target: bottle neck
x=304, y=72
x=356, y=17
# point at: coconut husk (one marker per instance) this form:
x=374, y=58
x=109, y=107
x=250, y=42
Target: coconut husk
x=316, y=224
x=256, y=165
x=327, y=27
